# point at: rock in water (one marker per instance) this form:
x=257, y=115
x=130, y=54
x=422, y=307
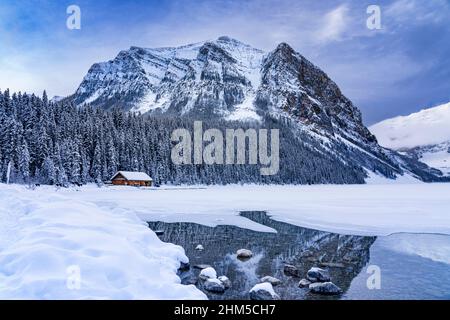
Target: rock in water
x=328, y=288
x=291, y=270
x=272, y=280
x=214, y=285
x=304, y=283
x=208, y=273
x=318, y=275
x=199, y=247
x=263, y=291
x=225, y=281
x=244, y=254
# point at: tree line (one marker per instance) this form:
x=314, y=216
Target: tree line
x=43, y=142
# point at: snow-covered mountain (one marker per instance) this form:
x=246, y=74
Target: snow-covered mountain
x=218, y=77
x=424, y=135
x=229, y=80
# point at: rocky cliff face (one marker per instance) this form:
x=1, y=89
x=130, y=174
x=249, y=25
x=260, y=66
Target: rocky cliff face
x=293, y=85
x=230, y=80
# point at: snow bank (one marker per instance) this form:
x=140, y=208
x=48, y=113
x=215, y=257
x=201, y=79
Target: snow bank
x=54, y=247
x=378, y=209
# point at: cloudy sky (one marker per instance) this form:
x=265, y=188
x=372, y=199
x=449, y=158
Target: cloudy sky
x=399, y=69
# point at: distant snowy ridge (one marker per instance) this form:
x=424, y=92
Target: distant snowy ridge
x=46, y=238
x=424, y=135
x=423, y=128
x=56, y=99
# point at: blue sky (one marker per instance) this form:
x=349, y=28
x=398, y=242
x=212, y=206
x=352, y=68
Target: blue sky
x=402, y=68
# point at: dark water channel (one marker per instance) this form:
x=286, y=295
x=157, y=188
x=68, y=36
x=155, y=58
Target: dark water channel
x=343, y=255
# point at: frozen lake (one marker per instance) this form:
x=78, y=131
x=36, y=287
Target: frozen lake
x=380, y=209
x=45, y=232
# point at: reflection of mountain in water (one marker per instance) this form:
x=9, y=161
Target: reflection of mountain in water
x=343, y=255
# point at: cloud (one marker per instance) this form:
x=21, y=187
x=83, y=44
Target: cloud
x=335, y=24
x=373, y=67
x=404, y=13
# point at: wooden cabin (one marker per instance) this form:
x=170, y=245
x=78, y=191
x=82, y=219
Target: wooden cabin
x=130, y=178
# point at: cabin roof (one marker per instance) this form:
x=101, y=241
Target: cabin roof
x=131, y=175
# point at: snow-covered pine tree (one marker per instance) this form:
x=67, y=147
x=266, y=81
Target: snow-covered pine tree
x=24, y=162
x=48, y=171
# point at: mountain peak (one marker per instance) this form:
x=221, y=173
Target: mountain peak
x=230, y=40
x=231, y=43
x=284, y=50
x=227, y=38
x=283, y=46
x=229, y=80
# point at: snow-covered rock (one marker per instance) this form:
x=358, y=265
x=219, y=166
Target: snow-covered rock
x=263, y=291
x=326, y=288
x=291, y=270
x=317, y=274
x=225, y=281
x=199, y=247
x=272, y=280
x=244, y=254
x=304, y=283
x=214, y=285
x=208, y=273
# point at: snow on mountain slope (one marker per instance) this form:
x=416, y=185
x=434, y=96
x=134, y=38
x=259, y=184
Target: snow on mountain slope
x=221, y=73
x=45, y=238
x=424, y=135
x=426, y=127
x=435, y=156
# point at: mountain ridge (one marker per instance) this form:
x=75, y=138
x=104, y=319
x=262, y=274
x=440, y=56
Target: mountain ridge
x=230, y=80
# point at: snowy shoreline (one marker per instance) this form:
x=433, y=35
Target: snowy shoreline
x=46, y=237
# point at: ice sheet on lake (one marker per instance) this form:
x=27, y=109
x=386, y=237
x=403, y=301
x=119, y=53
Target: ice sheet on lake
x=378, y=209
